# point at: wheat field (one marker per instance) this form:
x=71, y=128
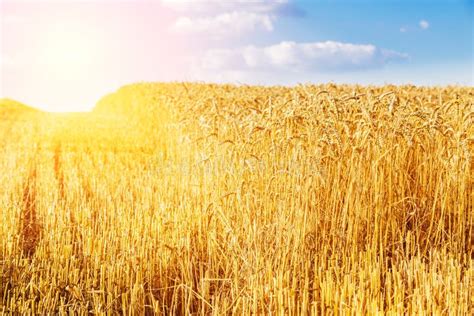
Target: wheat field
x=203, y=199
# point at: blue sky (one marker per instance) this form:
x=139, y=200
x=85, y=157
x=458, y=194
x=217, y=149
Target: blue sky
x=449, y=36
x=441, y=52
x=66, y=54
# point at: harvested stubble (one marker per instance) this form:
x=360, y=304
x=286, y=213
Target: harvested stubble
x=215, y=199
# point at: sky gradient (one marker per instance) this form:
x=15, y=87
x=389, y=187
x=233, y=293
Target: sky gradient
x=65, y=55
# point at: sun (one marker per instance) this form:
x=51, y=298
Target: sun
x=67, y=48
x=69, y=53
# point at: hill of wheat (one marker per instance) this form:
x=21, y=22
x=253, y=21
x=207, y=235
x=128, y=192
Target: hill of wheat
x=217, y=199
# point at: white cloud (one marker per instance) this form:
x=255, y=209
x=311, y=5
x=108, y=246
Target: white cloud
x=300, y=57
x=424, y=24
x=226, y=17
x=219, y=6
x=225, y=23
x=403, y=29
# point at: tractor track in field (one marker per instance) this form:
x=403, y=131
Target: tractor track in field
x=30, y=226
x=63, y=197
x=58, y=171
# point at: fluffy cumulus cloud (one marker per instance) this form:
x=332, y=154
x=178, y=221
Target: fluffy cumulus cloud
x=219, y=6
x=217, y=17
x=230, y=22
x=424, y=24
x=300, y=57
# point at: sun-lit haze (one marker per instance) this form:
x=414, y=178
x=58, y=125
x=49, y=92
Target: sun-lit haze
x=65, y=55
x=236, y=157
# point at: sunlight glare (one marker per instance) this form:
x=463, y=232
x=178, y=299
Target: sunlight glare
x=71, y=54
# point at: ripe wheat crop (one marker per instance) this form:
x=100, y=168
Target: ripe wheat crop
x=181, y=199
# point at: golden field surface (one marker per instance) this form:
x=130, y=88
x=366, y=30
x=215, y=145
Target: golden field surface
x=181, y=199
